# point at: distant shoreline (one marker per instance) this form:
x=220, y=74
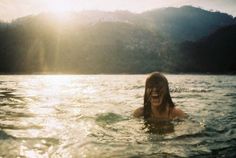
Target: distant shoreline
x=168, y=73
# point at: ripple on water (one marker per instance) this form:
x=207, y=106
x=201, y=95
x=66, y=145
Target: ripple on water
x=90, y=116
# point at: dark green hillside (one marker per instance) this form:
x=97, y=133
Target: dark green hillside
x=215, y=53
x=187, y=23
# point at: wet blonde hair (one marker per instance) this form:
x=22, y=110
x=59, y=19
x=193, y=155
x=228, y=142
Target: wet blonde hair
x=158, y=81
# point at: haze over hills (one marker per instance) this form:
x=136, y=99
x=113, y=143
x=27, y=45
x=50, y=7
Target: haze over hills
x=175, y=23
x=116, y=42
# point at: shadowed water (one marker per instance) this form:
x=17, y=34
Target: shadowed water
x=91, y=116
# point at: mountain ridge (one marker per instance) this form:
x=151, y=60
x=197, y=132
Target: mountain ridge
x=122, y=43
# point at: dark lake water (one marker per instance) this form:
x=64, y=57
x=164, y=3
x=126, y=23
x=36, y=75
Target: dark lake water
x=91, y=116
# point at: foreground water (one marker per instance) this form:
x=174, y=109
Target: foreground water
x=90, y=116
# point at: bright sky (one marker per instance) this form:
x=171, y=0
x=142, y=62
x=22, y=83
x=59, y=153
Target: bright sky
x=12, y=9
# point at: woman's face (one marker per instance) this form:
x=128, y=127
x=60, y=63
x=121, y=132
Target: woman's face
x=155, y=97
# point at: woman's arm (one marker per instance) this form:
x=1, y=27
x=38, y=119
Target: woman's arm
x=138, y=112
x=177, y=113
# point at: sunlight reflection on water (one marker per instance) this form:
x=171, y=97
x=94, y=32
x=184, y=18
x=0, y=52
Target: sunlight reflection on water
x=90, y=116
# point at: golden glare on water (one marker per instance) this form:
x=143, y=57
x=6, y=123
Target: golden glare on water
x=51, y=88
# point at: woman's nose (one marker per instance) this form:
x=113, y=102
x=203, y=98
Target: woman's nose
x=154, y=93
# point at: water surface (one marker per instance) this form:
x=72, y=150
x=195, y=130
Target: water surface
x=91, y=116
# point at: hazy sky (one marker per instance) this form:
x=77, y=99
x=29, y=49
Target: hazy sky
x=11, y=9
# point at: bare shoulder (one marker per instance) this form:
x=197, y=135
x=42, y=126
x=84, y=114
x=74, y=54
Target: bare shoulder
x=138, y=112
x=177, y=113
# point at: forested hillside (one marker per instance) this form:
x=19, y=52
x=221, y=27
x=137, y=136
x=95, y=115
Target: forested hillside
x=170, y=39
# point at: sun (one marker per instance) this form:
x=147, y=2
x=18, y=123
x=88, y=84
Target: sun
x=60, y=9
x=59, y=6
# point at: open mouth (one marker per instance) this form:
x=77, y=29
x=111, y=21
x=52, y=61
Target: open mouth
x=155, y=97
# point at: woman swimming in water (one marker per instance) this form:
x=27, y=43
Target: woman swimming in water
x=157, y=101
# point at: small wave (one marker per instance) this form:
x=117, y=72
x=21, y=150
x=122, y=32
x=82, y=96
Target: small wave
x=178, y=90
x=181, y=90
x=12, y=114
x=17, y=127
x=191, y=135
x=138, y=87
x=224, y=152
x=109, y=118
x=4, y=135
x=230, y=94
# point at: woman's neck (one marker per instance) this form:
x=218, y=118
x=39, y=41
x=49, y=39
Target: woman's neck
x=156, y=112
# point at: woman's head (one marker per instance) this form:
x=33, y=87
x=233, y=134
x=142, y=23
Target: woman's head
x=156, y=94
